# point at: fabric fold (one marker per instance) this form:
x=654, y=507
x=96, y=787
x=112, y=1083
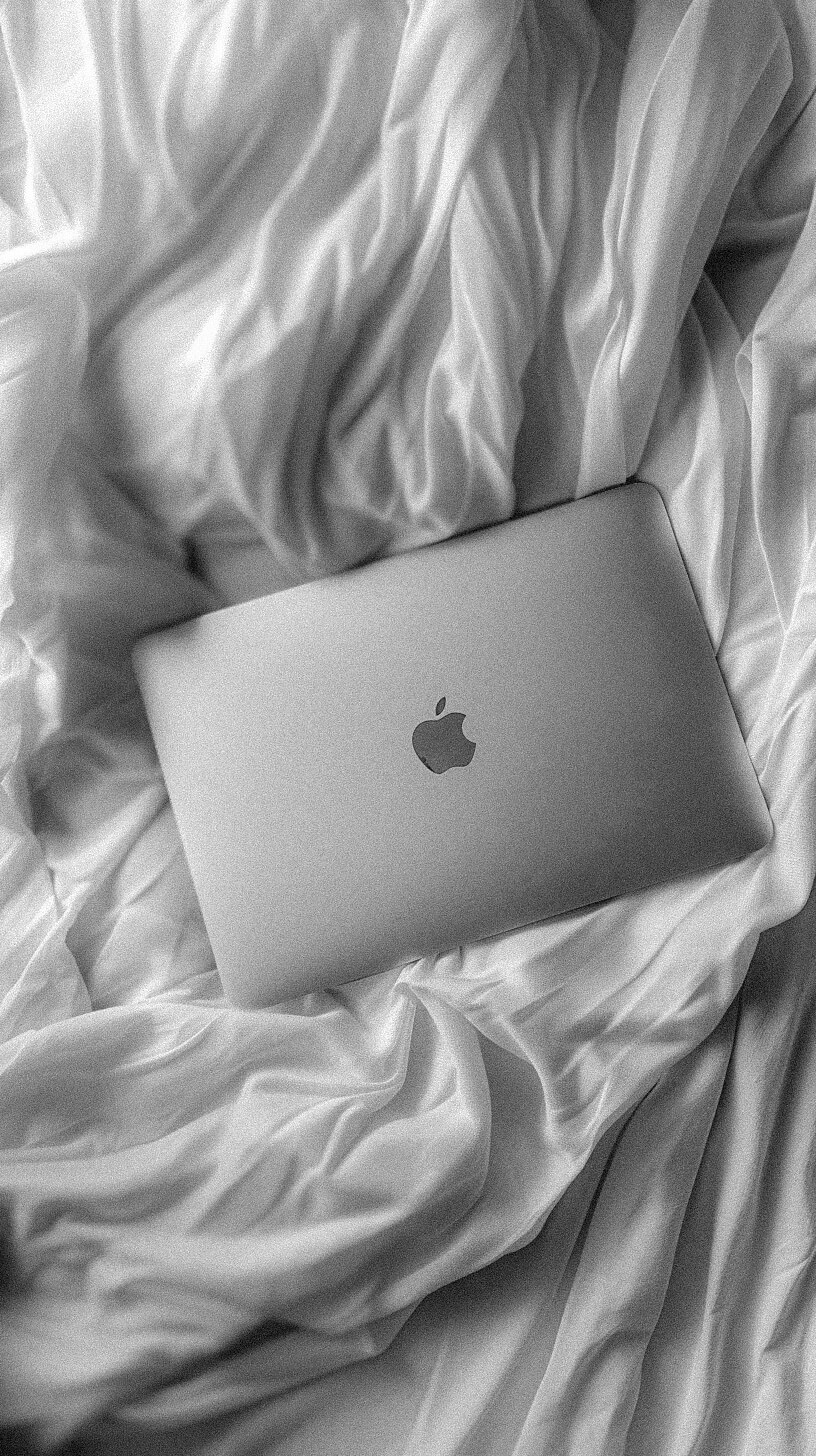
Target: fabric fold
x=283, y=288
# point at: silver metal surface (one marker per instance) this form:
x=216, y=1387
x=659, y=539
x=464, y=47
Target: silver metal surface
x=607, y=755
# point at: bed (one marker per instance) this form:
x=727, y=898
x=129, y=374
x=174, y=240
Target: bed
x=284, y=287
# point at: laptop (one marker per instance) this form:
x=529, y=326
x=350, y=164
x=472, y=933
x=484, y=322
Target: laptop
x=447, y=744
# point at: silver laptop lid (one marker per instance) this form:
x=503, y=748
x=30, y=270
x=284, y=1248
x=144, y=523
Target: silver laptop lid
x=446, y=744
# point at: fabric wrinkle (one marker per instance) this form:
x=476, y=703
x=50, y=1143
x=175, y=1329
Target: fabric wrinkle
x=284, y=288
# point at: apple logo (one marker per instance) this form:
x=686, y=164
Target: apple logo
x=440, y=743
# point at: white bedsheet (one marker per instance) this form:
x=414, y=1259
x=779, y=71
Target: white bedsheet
x=283, y=286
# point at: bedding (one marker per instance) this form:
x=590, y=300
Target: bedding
x=283, y=287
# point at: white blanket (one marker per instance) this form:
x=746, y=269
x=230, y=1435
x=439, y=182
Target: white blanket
x=282, y=286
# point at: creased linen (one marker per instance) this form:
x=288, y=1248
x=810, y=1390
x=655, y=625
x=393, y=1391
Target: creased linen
x=284, y=287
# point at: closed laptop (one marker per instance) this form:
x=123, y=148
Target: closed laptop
x=439, y=746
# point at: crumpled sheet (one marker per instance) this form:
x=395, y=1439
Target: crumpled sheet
x=282, y=287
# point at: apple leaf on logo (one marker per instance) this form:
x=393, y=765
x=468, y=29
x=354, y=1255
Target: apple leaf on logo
x=440, y=705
